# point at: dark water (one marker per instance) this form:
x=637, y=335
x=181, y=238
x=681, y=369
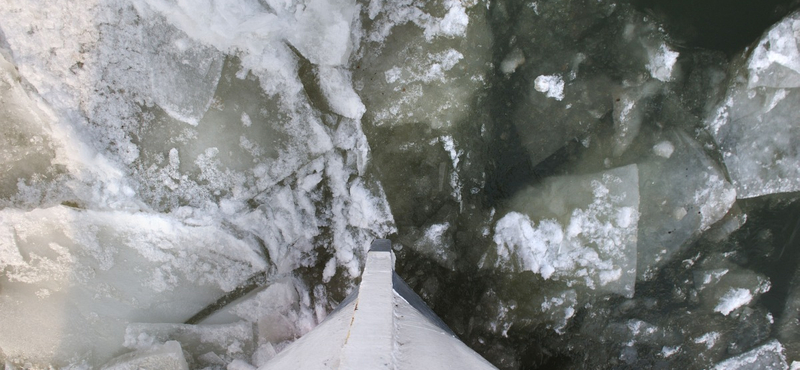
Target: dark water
x=726, y=25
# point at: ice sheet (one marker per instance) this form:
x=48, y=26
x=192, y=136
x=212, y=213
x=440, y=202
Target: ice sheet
x=755, y=123
x=76, y=272
x=580, y=230
x=683, y=194
x=767, y=357
x=172, y=133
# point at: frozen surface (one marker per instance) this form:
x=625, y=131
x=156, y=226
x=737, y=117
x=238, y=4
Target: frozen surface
x=172, y=151
x=767, y=357
x=683, y=194
x=167, y=356
x=157, y=154
x=580, y=230
x=662, y=61
x=93, y=272
x=207, y=344
x=725, y=288
x=755, y=126
x=420, y=66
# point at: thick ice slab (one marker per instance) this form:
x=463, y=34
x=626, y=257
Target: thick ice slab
x=168, y=121
x=423, y=67
x=208, y=345
x=766, y=357
x=756, y=124
x=683, y=193
x=575, y=229
x=86, y=274
x=724, y=287
x=167, y=356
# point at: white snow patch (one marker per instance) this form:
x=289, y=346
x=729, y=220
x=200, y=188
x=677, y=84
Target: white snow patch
x=337, y=88
x=513, y=60
x=669, y=351
x=246, y=122
x=709, y=339
x=664, y=149
x=551, y=85
x=732, y=300
x=769, y=356
x=662, y=62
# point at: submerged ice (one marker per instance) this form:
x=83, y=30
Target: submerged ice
x=194, y=184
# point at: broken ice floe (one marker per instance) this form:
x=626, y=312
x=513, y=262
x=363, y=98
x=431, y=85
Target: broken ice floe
x=431, y=73
x=724, y=287
x=755, y=125
x=89, y=273
x=578, y=229
x=682, y=196
x=205, y=344
x=178, y=210
x=167, y=356
x=769, y=356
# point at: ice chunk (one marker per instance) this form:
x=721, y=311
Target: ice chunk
x=724, y=287
x=280, y=312
x=664, y=149
x=227, y=342
x=755, y=126
x=578, y=229
x=427, y=76
x=336, y=86
x=167, y=356
x=732, y=300
x=768, y=356
x=322, y=30
x=789, y=322
x=90, y=273
x=550, y=85
x=628, y=112
x=26, y=147
x=662, y=61
x=183, y=71
x=682, y=195
x=775, y=61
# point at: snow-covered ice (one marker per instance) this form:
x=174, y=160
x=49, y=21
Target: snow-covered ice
x=755, y=124
x=732, y=300
x=579, y=229
x=683, y=194
x=177, y=155
x=550, y=85
x=662, y=61
x=167, y=356
x=769, y=356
